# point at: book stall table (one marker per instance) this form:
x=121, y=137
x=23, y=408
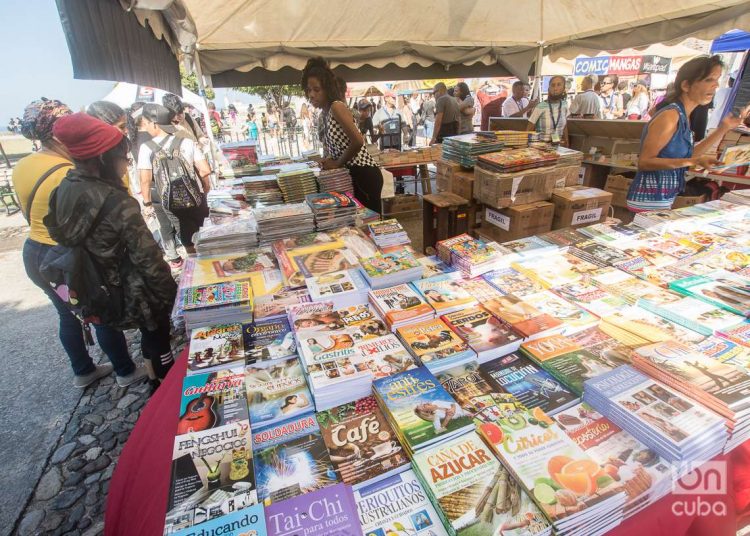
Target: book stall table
x=137, y=498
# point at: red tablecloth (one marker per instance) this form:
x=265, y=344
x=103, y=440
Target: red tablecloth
x=137, y=501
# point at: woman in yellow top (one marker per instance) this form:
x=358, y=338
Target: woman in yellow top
x=41, y=173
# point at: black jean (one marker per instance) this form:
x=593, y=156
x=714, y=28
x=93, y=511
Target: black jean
x=368, y=184
x=156, y=347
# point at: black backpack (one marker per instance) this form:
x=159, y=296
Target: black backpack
x=76, y=277
x=175, y=177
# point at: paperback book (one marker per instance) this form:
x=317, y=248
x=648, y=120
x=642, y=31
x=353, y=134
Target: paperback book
x=276, y=391
x=273, y=306
x=480, y=289
x=730, y=293
x=390, y=269
x=573, y=318
x=400, y=305
x=696, y=315
x=344, y=288
x=267, y=340
x=444, y=293
x=434, y=344
x=591, y=298
x=212, y=399
x=488, y=336
x=650, y=326
x=215, y=347
x=523, y=317
x=248, y=521
x=510, y=281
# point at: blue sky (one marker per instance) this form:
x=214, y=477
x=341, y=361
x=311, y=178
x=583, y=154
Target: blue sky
x=35, y=61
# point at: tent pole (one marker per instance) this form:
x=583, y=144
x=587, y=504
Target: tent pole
x=196, y=63
x=537, y=93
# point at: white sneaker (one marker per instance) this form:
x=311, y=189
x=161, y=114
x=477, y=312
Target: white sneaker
x=87, y=379
x=138, y=374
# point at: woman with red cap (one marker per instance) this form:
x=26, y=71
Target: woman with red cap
x=92, y=208
x=34, y=178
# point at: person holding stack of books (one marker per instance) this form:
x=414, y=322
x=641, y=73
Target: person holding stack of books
x=343, y=142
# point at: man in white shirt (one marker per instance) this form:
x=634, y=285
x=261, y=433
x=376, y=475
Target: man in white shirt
x=518, y=104
x=157, y=122
x=587, y=105
x=611, y=101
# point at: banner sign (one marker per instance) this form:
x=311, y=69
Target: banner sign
x=625, y=65
x=656, y=65
x=621, y=65
x=598, y=65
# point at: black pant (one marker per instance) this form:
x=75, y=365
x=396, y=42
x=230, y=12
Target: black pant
x=191, y=220
x=156, y=347
x=368, y=183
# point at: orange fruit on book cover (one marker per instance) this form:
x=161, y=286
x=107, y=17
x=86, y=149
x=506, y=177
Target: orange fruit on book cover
x=589, y=467
x=556, y=464
x=578, y=483
x=492, y=432
x=540, y=416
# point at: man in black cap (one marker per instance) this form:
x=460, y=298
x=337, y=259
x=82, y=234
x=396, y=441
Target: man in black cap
x=182, y=181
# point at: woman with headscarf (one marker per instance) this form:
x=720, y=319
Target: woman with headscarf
x=34, y=178
x=90, y=208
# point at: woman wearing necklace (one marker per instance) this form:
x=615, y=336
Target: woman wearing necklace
x=667, y=149
x=343, y=142
x=549, y=118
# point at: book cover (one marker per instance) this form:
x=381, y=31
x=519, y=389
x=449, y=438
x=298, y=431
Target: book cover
x=210, y=270
x=276, y=390
x=383, y=356
x=444, y=293
x=212, y=475
x=389, y=263
x=434, y=266
x=597, y=253
x=418, y=407
x=473, y=491
x=483, y=331
x=318, y=263
x=360, y=442
x=400, y=303
x=530, y=384
x=480, y=289
x=216, y=295
x=558, y=270
x=726, y=351
x=433, y=341
x=291, y=459
x=523, y=317
x=592, y=298
x=267, y=340
x=610, y=350
x=572, y=317
x=317, y=250
x=272, y=306
x=729, y=292
x=739, y=334
x=212, y=399
x=557, y=473
x=630, y=287
x=215, y=347
x=249, y=521
x=510, y=281
x=397, y=506
x=650, y=326
x=322, y=317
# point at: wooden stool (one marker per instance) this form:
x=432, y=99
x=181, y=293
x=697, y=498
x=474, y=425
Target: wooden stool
x=444, y=215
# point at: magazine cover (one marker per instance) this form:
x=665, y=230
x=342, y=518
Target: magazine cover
x=248, y=521
x=558, y=475
x=330, y=510
x=595, y=252
x=335, y=283
x=389, y=263
x=321, y=317
x=229, y=293
x=316, y=249
x=360, y=442
x=530, y=384
x=212, y=475
x=397, y=506
x=355, y=241
x=210, y=270
x=273, y=306
x=574, y=318
x=620, y=455
x=522, y=317
x=726, y=351
x=433, y=341
x=434, y=266
x=730, y=292
x=419, y=409
x=651, y=326
x=611, y=350
x=212, y=399
x=400, y=304
x=474, y=492
x=591, y=298
x=630, y=287
x=276, y=390
x=215, y=347
x=558, y=269
x=291, y=458
x=444, y=293
x=267, y=340
x=319, y=263
x=510, y=281
x=480, y=289
x=383, y=356
x=483, y=331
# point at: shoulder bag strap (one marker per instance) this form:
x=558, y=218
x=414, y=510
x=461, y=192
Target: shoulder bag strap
x=108, y=206
x=27, y=212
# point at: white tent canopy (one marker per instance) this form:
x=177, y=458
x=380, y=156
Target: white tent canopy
x=124, y=94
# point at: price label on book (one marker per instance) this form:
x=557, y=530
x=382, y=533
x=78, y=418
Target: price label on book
x=498, y=219
x=586, y=216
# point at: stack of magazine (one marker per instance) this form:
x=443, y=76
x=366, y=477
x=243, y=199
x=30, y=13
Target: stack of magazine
x=680, y=429
x=297, y=184
x=435, y=345
x=445, y=293
x=400, y=305
x=388, y=233
x=343, y=288
x=517, y=160
x=488, y=336
x=729, y=292
x=335, y=180
x=276, y=391
x=332, y=210
x=220, y=303
x=262, y=191
x=215, y=347
x=230, y=237
x=464, y=148
x=391, y=269
x=283, y=221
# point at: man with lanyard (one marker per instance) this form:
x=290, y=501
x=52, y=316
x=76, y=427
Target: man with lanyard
x=611, y=101
x=549, y=118
x=518, y=105
x=388, y=121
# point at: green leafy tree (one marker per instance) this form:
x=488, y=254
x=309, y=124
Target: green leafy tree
x=279, y=96
x=190, y=81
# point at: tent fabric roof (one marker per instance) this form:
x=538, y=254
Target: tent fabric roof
x=734, y=41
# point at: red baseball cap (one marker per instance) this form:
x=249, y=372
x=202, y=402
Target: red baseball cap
x=86, y=136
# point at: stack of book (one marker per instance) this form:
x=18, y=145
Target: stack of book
x=719, y=386
x=473, y=493
x=445, y=293
x=262, y=191
x=400, y=305
x=486, y=335
x=335, y=180
x=475, y=257
x=332, y=210
x=297, y=184
x=524, y=318
x=531, y=247
x=464, y=148
x=273, y=306
x=344, y=288
x=516, y=160
x=729, y=292
x=220, y=303
x=696, y=315
x=391, y=269
x=516, y=138
x=276, y=391
x=215, y=348
x=565, y=483
x=435, y=344
x=420, y=410
x=388, y=233
x=283, y=221
x=230, y=237
x=680, y=429
x=650, y=326
x=568, y=157
x=267, y=340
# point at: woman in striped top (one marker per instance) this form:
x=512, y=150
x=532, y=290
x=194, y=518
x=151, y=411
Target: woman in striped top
x=667, y=149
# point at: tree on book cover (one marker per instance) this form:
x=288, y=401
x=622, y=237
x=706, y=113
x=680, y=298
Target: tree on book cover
x=291, y=459
x=267, y=340
x=360, y=442
x=212, y=399
x=276, y=390
x=480, y=329
x=212, y=474
x=432, y=341
x=215, y=346
x=418, y=406
x=531, y=385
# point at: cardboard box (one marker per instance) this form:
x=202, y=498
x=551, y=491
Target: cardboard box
x=577, y=206
x=444, y=183
x=568, y=176
x=401, y=203
x=501, y=190
x=463, y=184
x=518, y=221
x=688, y=201
x=618, y=186
x=593, y=175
